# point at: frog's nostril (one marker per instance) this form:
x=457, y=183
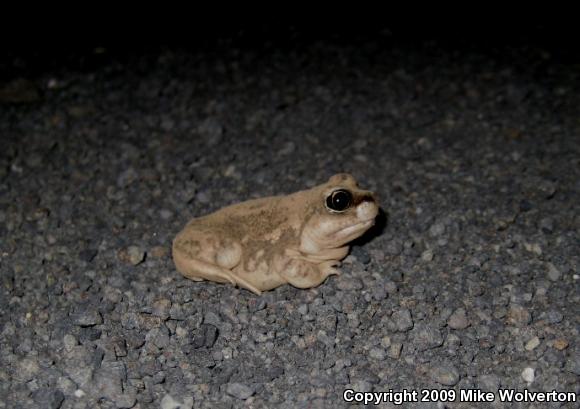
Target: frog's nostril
x=368, y=198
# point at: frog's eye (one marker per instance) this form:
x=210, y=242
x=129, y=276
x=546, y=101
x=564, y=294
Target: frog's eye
x=339, y=200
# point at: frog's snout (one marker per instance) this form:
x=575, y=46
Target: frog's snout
x=367, y=210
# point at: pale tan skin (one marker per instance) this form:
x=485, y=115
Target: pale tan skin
x=264, y=243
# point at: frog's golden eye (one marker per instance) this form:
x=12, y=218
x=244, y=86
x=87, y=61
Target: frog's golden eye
x=339, y=200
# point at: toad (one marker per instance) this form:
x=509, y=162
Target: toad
x=263, y=243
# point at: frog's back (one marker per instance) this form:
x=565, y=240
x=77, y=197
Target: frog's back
x=252, y=218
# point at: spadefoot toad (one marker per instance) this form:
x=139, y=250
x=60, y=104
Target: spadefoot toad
x=264, y=243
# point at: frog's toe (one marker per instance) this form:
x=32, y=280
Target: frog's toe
x=328, y=268
x=331, y=271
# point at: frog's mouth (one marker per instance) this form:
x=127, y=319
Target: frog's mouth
x=353, y=231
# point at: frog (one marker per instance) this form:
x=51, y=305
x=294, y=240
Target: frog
x=260, y=244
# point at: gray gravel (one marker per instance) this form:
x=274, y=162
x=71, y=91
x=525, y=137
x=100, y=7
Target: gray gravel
x=472, y=282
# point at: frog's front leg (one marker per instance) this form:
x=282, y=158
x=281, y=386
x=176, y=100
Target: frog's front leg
x=304, y=274
x=215, y=265
x=327, y=268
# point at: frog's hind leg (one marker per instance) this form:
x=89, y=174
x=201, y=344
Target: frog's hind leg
x=195, y=268
x=198, y=269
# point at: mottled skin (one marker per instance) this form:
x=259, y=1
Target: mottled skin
x=264, y=243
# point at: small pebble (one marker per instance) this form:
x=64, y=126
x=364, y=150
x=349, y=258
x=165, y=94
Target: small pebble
x=136, y=255
x=554, y=273
x=427, y=255
x=361, y=254
x=395, y=350
x=347, y=283
x=437, y=229
x=391, y=287
x=402, y=319
x=528, y=375
x=362, y=386
x=161, y=308
x=48, y=398
x=445, y=374
x=205, y=336
x=377, y=353
x=518, y=316
x=169, y=402
x=426, y=336
x=133, y=255
x=554, y=316
x=394, y=248
x=489, y=383
x=573, y=364
x=69, y=341
x=27, y=369
x=165, y=214
x=560, y=344
x=525, y=205
x=532, y=344
x=546, y=225
x=88, y=317
x=458, y=320
x=239, y=390
x=88, y=255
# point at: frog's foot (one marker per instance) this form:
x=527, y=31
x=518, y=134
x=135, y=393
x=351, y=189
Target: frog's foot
x=328, y=268
x=196, y=269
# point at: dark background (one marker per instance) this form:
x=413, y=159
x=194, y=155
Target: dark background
x=34, y=48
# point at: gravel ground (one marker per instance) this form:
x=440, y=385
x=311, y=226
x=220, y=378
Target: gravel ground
x=472, y=282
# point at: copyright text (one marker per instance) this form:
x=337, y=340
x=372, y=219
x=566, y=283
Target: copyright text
x=452, y=395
